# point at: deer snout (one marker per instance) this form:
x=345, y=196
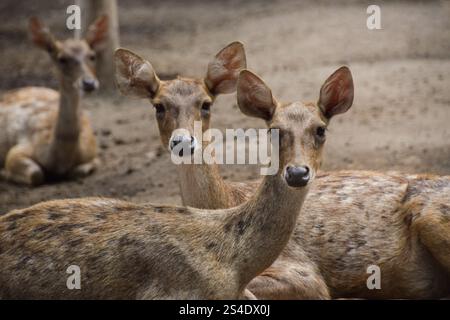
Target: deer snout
x=297, y=177
x=181, y=145
x=89, y=84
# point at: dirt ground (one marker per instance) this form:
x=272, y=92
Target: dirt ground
x=399, y=119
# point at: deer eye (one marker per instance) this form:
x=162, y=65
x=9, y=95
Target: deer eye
x=160, y=110
x=92, y=57
x=63, y=60
x=206, y=106
x=320, y=133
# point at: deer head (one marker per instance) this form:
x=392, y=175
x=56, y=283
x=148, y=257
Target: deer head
x=302, y=126
x=74, y=59
x=180, y=102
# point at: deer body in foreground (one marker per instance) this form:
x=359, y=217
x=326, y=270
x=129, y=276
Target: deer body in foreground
x=350, y=220
x=129, y=251
x=45, y=132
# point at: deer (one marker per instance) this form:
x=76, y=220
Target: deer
x=351, y=219
x=150, y=251
x=178, y=103
x=44, y=133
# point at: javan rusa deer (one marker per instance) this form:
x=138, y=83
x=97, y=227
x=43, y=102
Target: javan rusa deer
x=351, y=219
x=128, y=251
x=178, y=104
x=45, y=133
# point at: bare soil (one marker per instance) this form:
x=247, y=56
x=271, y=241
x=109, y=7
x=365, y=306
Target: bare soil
x=399, y=120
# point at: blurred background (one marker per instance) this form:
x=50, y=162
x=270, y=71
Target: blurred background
x=399, y=120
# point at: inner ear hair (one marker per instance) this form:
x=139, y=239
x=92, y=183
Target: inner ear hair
x=135, y=76
x=223, y=70
x=336, y=94
x=254, y=97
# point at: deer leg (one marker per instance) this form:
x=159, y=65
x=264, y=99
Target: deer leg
x=21, y=169
x=84, y=169
x=433, y=226
x=285, y=280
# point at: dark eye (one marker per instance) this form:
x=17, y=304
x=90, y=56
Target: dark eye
x=320, y=132
x=92, y=57
x=160, y=110
x=63, y=60
x=206, y=106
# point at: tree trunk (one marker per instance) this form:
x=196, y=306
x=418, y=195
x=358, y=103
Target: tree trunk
x=91, y=10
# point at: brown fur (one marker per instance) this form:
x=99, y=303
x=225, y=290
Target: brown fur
x=351, y=220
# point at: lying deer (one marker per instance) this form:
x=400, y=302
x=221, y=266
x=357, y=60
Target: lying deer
x=128, y=251
x=43, y=132
x=351, y=219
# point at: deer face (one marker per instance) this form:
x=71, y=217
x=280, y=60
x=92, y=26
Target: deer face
x=301, y=126
x=180, y=102
x=74, y=59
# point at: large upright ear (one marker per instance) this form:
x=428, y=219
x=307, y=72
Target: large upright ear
x=134, y=75
x=336, y=94
x=254, y=96
x=223, y=71
x=41, y=35
x=97, y=33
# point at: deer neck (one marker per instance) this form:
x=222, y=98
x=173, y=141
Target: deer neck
x=66, y=133
x=202, y=186
x=261, y=227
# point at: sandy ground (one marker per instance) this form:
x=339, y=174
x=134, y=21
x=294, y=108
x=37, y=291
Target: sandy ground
x=399, y=120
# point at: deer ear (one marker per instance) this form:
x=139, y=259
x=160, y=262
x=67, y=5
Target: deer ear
x=336, y=94
x=97, y=33
x=254, y=96
x=41, y=35
x=134, y=75
x=223, y=71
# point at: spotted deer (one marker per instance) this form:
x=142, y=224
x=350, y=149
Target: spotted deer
x=45, y=133
x=351, y=219
x=130, y=251
x=178, y=104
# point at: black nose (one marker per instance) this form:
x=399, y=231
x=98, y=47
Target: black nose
x=297, y=176
x=180, y=143
x=89, y=85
